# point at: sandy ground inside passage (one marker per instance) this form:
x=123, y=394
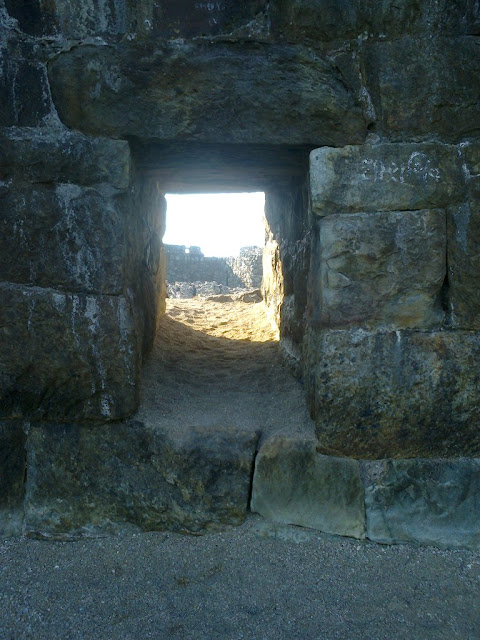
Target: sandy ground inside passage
x=219, y=364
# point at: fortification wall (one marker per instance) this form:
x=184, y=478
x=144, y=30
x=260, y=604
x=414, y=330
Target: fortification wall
x=360, y=121
x=190, y=265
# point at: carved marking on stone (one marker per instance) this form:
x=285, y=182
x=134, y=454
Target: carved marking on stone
x=210, y=6
x=419, y=164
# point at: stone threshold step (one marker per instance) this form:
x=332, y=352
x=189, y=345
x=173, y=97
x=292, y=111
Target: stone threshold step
x=94, y=480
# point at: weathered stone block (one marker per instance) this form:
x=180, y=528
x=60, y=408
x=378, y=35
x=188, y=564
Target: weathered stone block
x=326, y=20
x=424, y=501
x=66, y=356
x=275, y=94
x=12, y=476
x=464, y=260
x=67, y=237
x=380, y=270
x=471, y=155
x=409, y=109
x=323, y=20
x=43, y=156
x=295, y=485
x=24, y=90
x=385, y=177
x=89, y=17
x=86, y=481
x=397, y=395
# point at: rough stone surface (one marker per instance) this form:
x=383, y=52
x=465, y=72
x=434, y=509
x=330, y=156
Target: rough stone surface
x=325, y=20
x=12, y=475
x=380, y=270
x=216, y=93
x=53, y=156
x=295, y=485
x=464, y=260
x=194, y=481
x=286, y=258
x=25, y=99
x=424, y=501
x=66, y=237
x=144, y=212
x=214, y=96
x=293, y=20
x=409, y=109
x=78, y=359
x=395, y=394
x=385, y=177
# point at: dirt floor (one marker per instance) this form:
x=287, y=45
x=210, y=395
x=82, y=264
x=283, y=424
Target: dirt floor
x=219, y=363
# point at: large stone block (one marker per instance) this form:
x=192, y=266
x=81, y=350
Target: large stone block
x=295, y=485
x=424, y=501
x=275, y=94
x=24, y=90
x=66, y=356
x=326, y=20
x=398, y=394
x=67, y=237
x=86, y=481
x=380, y=270
x=464, y=260
x=62, y=156
x=443, y=103
x=385, y=177
x=12, y=477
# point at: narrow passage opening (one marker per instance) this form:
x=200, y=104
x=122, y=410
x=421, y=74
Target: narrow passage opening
x=216, y=361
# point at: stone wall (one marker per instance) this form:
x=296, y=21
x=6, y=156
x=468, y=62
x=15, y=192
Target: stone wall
x=371, y=266
x=190, y=265
x=393, y=318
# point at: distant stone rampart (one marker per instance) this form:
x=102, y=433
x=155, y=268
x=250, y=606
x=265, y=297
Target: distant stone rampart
x=188, y=264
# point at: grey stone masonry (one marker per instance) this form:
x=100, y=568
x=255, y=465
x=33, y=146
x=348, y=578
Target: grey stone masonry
x=190, y=265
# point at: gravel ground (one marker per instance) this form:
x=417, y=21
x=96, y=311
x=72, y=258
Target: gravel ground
x=258, y=581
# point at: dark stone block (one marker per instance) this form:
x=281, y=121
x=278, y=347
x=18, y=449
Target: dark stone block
x=35, y=17
x=423, y=501
x=44, y=156
x=408, y=108
x=12, y=476
x=24, y=90
x=464, y=260
x=66, y=356
x=295, y=485
x=398, y=395
x=87, y=481
x=68, y=238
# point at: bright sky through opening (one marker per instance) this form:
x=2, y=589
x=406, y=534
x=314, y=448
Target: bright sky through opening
x=219, y=223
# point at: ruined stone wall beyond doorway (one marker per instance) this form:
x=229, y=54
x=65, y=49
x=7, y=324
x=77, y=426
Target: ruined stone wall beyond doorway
x=373, y=247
